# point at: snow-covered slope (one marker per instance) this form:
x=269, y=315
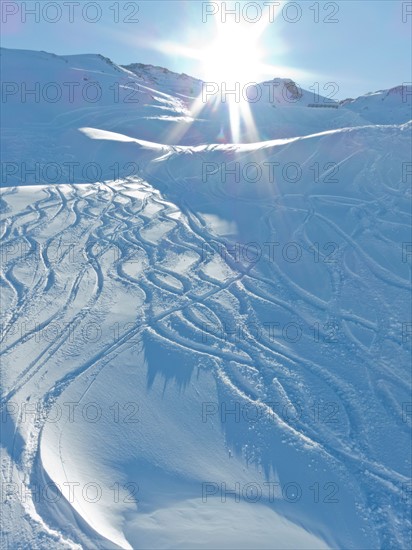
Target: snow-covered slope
x=211, y=349
x=383, y=107
x=144, y=103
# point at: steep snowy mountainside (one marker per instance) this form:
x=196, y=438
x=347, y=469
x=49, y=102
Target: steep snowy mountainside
x=385, y=106
x=41, y=128
x=205, y=344
x=279, y=91
x=160, y=77
x=165, y=269
x=46, y=98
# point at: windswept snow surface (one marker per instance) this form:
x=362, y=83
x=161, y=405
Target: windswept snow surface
x=205, y=344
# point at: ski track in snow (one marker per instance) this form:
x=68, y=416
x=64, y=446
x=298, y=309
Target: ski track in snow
x=140, y=254
x=109, y=214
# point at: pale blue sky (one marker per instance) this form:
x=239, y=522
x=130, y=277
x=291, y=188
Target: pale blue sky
x=367, y=48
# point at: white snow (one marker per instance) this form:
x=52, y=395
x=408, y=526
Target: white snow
x=203, y=362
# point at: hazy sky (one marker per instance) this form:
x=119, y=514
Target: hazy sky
x=361, y=46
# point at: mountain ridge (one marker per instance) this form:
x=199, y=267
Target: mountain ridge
x=147, y=67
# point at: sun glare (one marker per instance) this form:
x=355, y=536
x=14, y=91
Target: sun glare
x=234, y=55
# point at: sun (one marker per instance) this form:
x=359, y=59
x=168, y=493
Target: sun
x=234, y=55
x=233, y=59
